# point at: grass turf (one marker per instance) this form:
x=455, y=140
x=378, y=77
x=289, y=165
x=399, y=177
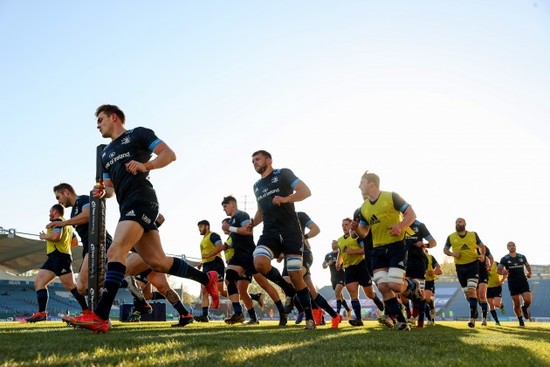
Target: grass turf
x=218, y=344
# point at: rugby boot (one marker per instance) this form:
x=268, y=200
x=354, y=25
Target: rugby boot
x=133, y=288
x=184, y=320
x=356, y=322
x=402, y=326
x=386, y=320
x=38, y=316
x=69, y=319
x=202, y=318
x=336, y=321
x=283, y=319
x=252, y=322
x=310, y=325
x=212, y=288
x=299, y=318
x=317, y=315
x=92, y=322
x=235, y=319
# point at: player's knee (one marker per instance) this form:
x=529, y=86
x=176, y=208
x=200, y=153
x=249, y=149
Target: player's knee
x=231, y=277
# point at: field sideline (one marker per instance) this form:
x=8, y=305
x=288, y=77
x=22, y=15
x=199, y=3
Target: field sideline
x=218, y=344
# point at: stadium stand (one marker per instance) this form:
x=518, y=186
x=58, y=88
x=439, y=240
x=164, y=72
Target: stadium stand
x=450, y=303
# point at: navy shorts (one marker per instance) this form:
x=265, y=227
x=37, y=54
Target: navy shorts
x=358, y=273
x=143, y=212
x=483, y=273
x=393, y=255
x=286, y=243
x=247, y=263
x=59, y=263
x=338, y=277
x=493, y=292
x=518, y=286
x=467, y=271
x=429, y=285
x=415, y=273
x=215, y=265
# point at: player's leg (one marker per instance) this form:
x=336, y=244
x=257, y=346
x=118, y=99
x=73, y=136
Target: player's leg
x=43, y=278
x=67, y=280
x=82, y=279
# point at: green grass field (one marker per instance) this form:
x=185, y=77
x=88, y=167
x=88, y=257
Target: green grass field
x=218, y=344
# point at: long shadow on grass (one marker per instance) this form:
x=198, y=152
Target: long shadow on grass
x=449, y=344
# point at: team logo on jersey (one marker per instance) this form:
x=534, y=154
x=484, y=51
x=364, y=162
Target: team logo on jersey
x=130, y=213
x=125, y=140
x=112, y=155
x=374, y=220
x=275, y=179
x=464, y=247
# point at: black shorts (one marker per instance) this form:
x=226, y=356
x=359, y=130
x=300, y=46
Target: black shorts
x=429, y=285
x=415, y=272
x=358, y=273
x=338, y=277
x=393, y=255
x=215, y=265
x=368, y=262
x=286, y=243
x=518, y=286
x=483, y=274
x=247, y=263
x=493, y=292
x=143, y=212
x=59, y=263
x=467, y=271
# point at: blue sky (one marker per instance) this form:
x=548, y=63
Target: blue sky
x=446, y=101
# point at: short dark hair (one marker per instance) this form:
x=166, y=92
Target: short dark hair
x=372, y=177
x=110, y=109
x=226, y=220
x=203, y=222
x=265, y=153
x=228, y=199
x=58, y=208
x=64, y=186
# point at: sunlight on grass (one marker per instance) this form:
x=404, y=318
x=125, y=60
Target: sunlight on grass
x=218, y=344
